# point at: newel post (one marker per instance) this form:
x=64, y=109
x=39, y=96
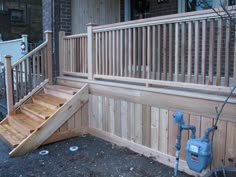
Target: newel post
x=91, y=51
x=49, y=56
x=61, y=52
x=9, y=85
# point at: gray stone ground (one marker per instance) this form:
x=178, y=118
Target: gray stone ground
x=95, y=158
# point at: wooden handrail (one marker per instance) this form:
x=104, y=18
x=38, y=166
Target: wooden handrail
x=174, y=18
x=30, y=53
x=75, y=36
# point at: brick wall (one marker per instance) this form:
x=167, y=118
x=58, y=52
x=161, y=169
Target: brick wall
x=47, y=15
x=65, y=16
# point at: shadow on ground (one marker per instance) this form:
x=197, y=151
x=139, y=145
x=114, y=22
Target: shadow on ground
x=95, y=158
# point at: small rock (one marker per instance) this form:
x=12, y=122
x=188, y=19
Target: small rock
x=131, y=168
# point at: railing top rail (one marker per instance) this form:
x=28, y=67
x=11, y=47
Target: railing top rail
x=175, y=18
x=10, y=41
x=30, y=53
x=75, y=36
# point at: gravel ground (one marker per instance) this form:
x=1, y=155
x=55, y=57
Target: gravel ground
x=94, y=158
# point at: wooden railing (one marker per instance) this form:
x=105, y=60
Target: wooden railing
x=74, y=60
x=197, y=48
x=24, y=76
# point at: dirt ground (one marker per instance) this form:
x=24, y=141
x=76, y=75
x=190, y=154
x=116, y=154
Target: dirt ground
x=94, y=158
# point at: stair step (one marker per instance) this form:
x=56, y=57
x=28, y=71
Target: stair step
x=24, y=123
x=49, y=101
x=63, y=89
x=8, y=136
x=38, y=110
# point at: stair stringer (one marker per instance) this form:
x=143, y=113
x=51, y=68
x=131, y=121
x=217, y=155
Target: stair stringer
x=55, y=121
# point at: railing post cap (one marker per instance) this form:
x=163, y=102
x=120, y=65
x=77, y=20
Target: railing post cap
x=91, y=24
x=48, y=31
x=8, y=56
x=24, y=35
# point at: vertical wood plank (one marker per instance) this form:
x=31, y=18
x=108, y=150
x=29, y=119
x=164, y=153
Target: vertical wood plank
x=84, y=116
x=111, y=126
x=100, y=53
x=138, y=123
x=154, y=69
x=211, y=52
x=205, y=123
x=124, y=119
x=176, y=52
x=185, y=135
x=219, y=52
x=172, y=133
x=195, y=121
x=190, y=47
x=227, y=55
x=94, y=118
x=104, y=56
x=159, y=52
x=110, y=53
x=105, y=118
x=71, y=123
x=131, y=114
x=204, y=30
x=196, y=53
x=163, y=131
x=170, y=52
x=97, y=53
x=106, y=50
x=78, y=119
x=144, y=51
x=149, y=52
x=230, y=141
x=155, y=119
x=219, y=143
x=146, y=125
x=183, y=48
x=100, y=112
x=118, y=117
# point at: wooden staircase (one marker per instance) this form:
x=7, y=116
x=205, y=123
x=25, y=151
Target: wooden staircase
x=39, y=117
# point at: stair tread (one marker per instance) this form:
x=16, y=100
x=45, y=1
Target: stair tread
x=8, y=136
x=25, y=122
x=64, y=89
x=41, y=111
x=50, y=99
x=18, y=134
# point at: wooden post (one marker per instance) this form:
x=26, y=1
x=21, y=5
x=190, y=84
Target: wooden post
x=61, y=52
x=49, y=55
x=9, y=85
x=91, y=51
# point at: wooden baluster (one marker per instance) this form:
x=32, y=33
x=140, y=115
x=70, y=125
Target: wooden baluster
x=183, y=49
x=176, y=52
x=139, y=52
x=21, y=81
x=9, y=85
x=110, y=52
x=114, y=53
x=219, y=52
x=170, y=52
x=144, y=51
x=16, y=82
x=130, y=52
x=154, y=69
x=204, y=51
x=121, y=52
x=234, y=76
x=38, y=68
x=103, y=54
x=227, y=55
x=159, y=52
x=106, y=50
x=86, y=53
x=211, y=52
x=196, y=54
x=118, y=53
x=100, y=52
x=149, y=52
x=97, y=54
x=126, y=52
x=34, y=70
x=164, y=53
x=26, y=77
x=190, y=47
x=134, y=51
x=61, y=52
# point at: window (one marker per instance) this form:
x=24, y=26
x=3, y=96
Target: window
x=16, y=15
x=195, y=5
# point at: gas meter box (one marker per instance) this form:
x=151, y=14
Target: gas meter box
x=198, y=154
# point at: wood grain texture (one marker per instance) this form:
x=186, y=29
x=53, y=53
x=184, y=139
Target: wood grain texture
x=163, y=131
